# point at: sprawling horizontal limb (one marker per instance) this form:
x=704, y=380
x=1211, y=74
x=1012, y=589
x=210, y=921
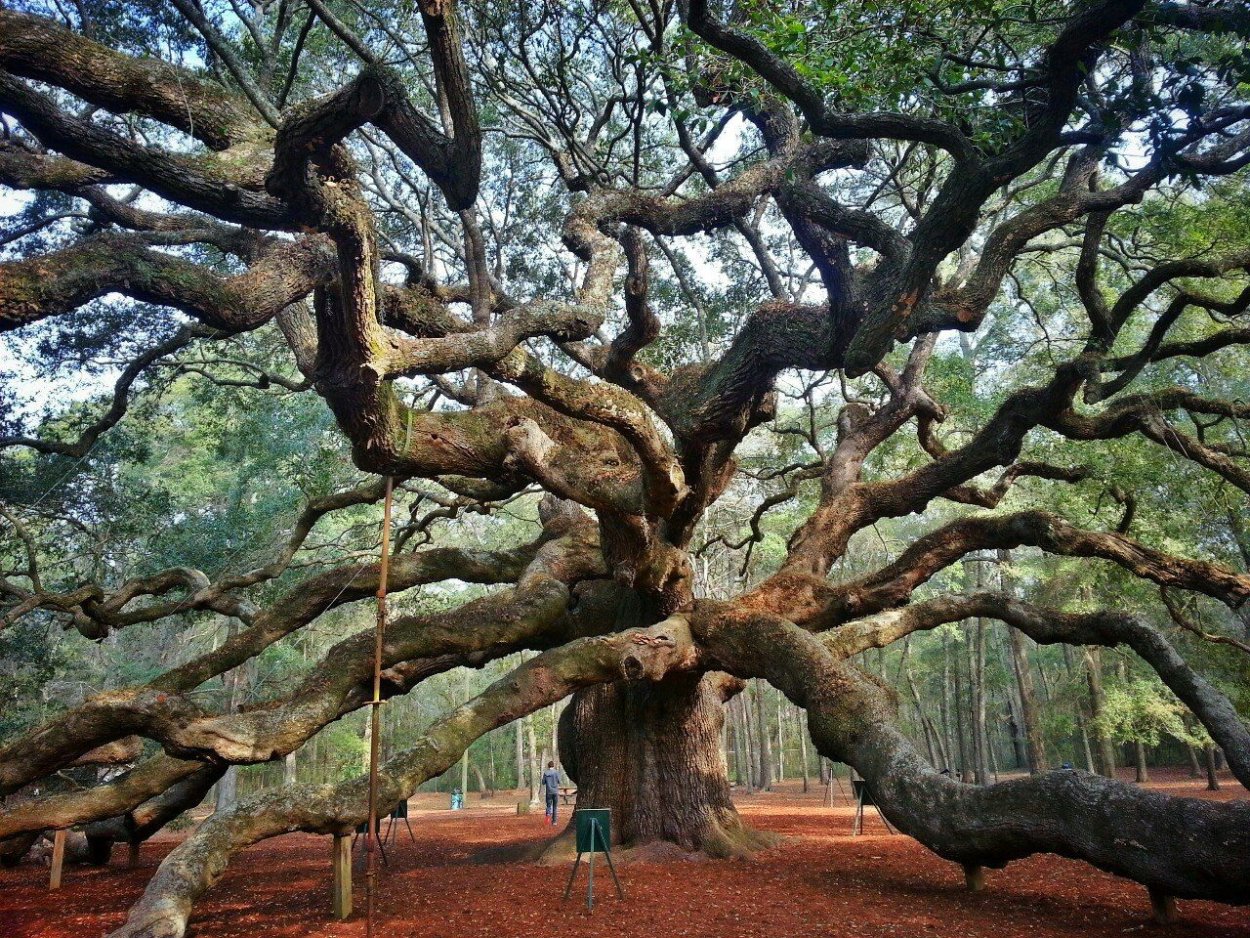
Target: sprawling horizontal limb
x=817, y=604
x=193, y=867
x=567, y=553
x=114, y=799
x=226, y=185
x=1180, y=846
x=37, y=47
x=158, y=711
x=55, y=283
x=1051, y=626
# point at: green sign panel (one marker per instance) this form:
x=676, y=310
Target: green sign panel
x=594, y=829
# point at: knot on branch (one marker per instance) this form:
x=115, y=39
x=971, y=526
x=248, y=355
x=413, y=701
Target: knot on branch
x=653, y=653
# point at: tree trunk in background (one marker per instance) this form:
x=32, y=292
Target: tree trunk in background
x=748, y=735
x=518, y=728
x=967, y=773
x=1085, y=747
x=802, y=726
x=1034, y=744
x=651, y=753
x=765, y=780
x=1014, y=711
x=554, y=713
x=1082, y=729
x=1195, y=769
x=482, y=789
x=948, y=741
x=781, y=738
x=466, y=695
x=742, y=762
x=232, y=680
x=976, y=672
x=1213, y=783
x=1139, y=750
x=1093, y=674
x=931, y=743
x=974, y=635
x=228, y=789
x=535, y=760
x=288, y=769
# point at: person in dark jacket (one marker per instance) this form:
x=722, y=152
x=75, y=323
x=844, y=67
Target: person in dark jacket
x=551, y=785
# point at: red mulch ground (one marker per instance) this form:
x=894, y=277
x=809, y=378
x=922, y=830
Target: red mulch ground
x=821, y=882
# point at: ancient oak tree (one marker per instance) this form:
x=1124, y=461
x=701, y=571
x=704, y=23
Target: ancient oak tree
x=689, y=282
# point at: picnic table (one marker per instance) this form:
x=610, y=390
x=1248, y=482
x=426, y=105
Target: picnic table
x=567, y=794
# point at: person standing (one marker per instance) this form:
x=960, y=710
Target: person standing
x=551, y=785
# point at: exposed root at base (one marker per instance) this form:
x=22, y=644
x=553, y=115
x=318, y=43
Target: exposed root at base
x=732, y=840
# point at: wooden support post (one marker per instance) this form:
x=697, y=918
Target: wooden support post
x=1163, y=907
x=342, y=860
x=132, y=854
x=58, y=859
x=974, y=877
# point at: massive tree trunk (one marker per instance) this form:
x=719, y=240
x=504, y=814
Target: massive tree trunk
x=651, y=753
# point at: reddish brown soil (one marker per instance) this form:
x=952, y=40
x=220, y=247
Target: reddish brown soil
x=820, y=882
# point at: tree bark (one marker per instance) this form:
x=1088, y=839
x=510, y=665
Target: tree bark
x=651, y=753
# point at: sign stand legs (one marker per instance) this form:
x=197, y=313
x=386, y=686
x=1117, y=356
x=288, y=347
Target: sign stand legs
x=862, y=799
x=596, y=838
x=568, y=889
x=590, y=883
x=620, y=893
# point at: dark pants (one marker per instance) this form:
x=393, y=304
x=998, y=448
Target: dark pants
x=553, y=801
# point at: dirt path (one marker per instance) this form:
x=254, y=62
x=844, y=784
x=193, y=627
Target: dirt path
x=821, y=882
